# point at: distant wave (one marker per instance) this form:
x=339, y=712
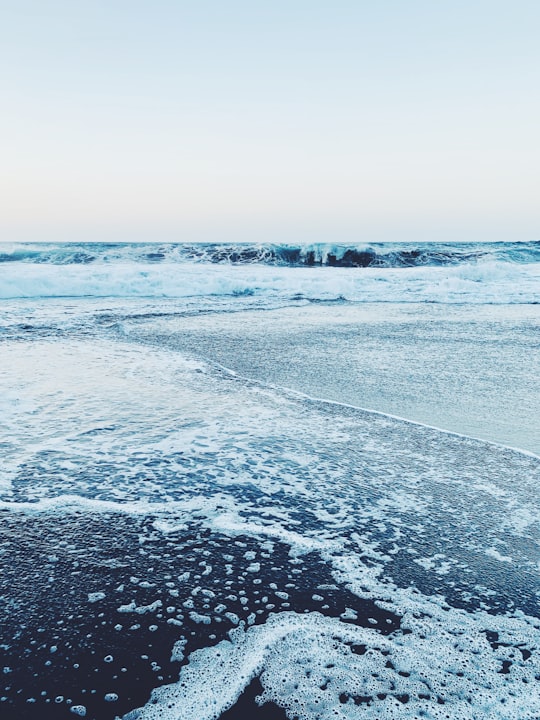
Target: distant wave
x=376, y=255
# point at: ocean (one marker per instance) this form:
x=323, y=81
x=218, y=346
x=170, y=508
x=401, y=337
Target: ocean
x=269, y=481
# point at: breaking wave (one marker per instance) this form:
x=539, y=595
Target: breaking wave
x=378, y=255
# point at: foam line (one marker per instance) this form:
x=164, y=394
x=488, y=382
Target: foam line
x=492, y=282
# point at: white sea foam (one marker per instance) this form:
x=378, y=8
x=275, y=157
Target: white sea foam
x=487, y=282
x=318, y=668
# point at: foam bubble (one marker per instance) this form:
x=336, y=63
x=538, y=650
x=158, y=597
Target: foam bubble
x=79, y=710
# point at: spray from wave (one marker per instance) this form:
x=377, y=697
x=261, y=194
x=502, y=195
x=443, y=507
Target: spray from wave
x=378, y=255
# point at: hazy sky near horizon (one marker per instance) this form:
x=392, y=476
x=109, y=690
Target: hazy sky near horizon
x=342, y=121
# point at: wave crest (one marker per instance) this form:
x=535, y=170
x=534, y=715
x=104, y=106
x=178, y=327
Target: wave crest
x=380, y=255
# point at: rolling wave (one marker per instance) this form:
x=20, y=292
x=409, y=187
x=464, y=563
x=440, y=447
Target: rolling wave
x=436, y=273
x=486, y=283
x=376, y=255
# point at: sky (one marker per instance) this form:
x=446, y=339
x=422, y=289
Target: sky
x=294, y=121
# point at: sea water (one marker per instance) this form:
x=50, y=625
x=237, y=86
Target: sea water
x=269, y=481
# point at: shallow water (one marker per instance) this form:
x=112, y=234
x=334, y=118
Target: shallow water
x=470, y=370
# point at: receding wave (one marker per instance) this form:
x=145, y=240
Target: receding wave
x=375, y=255
x=193, y=535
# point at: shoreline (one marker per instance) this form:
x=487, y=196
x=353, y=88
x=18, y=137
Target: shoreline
x=423, y=364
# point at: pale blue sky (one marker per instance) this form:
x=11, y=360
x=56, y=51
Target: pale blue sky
x=297, y=121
